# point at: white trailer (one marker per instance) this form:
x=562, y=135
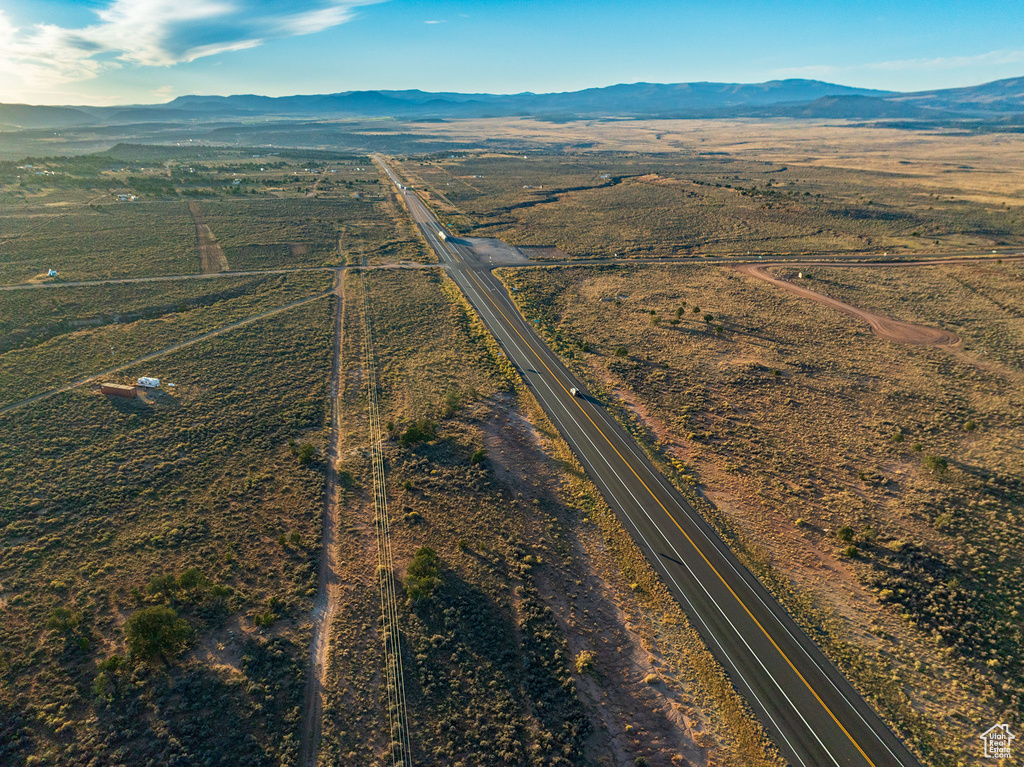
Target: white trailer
x=442, y=235
x=148, y=383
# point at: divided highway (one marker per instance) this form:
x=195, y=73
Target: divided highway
x=806, y=705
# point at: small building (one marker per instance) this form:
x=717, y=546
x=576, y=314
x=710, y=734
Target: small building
x=149, y=383
x=118, y=390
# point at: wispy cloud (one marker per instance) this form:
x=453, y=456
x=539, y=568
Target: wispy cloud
x=436, y=21
x=158, y=33
x=907, y=65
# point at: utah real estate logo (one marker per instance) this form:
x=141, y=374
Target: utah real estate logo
x=997, y=741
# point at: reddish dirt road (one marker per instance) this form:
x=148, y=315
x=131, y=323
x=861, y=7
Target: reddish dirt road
x=883, y=327
x=211, y=255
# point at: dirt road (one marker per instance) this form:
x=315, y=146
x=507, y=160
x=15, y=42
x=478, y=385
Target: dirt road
x=211, y=255
x=327, y=591
x=883, y=327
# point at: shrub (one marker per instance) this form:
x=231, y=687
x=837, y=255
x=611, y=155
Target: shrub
x=851, y=551
x=155, y=632
x=620, y=351
x=584, y=662
x=422, y=575
x=845, y=533
x=478, y=456
x=63, y=621
x=165, y=585
x=936, y=464
x=424, y=429
x=306, y=453
x=192, y=579
x=295, y=539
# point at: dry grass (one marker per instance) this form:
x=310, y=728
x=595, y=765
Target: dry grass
x=923, y=616
x=99, y=497
x=67, y=334
x=684, y=187
x=530, y=573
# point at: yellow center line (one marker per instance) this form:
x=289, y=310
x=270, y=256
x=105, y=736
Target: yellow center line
x=663, y=507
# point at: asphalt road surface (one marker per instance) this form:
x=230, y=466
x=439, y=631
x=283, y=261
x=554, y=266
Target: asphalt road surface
x=808, y=708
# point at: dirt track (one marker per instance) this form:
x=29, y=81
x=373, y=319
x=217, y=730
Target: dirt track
x=883, y=327
x=326, y=604
x=211, y=255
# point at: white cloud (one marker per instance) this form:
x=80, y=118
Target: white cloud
x=906, y=65
x=157, y=33
x=436, y=21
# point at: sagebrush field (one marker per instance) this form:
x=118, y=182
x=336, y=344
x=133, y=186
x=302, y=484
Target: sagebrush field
x=879, y=484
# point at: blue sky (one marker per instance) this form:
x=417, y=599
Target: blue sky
x=146, y=51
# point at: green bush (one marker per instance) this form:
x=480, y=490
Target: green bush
x=422, y=575
x=155, y=632
x=421, y=431
x=936, y=464
x=64, y=621
x=306, y=453
x=478, y=456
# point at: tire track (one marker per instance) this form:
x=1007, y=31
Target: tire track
x=211, y=254
x=326, y=604
x=881, y=326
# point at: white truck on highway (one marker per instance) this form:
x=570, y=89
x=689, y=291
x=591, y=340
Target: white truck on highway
x=442, y=235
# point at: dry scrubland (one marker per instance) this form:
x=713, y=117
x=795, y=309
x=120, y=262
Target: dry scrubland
x=192, y=501
x=289, y=211
x=876, y=487
x=748, y=188
x=51, y=337
x=538, y=635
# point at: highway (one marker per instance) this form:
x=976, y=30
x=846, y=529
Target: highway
x=806, y=705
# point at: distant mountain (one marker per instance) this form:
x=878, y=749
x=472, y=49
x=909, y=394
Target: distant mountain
x=27, y=116
x=777, y=98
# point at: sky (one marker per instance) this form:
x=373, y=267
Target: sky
x=150, y=51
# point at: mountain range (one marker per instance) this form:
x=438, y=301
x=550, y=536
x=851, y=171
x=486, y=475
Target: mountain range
x=794, y=98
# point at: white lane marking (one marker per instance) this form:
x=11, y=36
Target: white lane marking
x=683, y=562
x=442, y=248
x=662, y=481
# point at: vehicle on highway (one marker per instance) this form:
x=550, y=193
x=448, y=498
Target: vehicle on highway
x=574, y=391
